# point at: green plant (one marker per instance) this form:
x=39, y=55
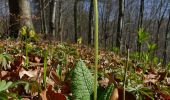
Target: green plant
x=125, y=74
x=26, y=54
x=82, y=82
x=142, y=37
x=3, y=87
x=6, y=85
x=141, y=92
x=151, y=47
x=59, y=71
x=106, y=94
x=95, y=3
x=45, y=67
x=4, y=60
x=116, y=50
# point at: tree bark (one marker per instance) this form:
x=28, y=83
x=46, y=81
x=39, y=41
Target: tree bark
x=52, y=24
x=166, y=41
x=120, y=23
x=90, y=33
x=43, y=21
x=25, y=12
x=159, y=26
x=60, y=20
x=140, y=23
x=75, y=20
x=20, y=15
x=14, y=18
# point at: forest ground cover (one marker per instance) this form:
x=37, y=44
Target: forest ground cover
x=51, y=70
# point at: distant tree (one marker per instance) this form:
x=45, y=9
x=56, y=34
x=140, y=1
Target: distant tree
x=120, y=23
x=140, y=22
x=60, y=19
x=52, y=23
x=166, y=41
x=162, y=12
x=90, y=32
x=75, y=21
x=43, y=16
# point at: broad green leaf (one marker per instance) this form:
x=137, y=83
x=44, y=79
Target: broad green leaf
x=8, y=84
x=4, y=85
x=82, y=82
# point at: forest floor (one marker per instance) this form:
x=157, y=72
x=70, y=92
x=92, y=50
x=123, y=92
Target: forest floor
x=26, y=66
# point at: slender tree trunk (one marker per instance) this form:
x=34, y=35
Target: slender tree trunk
x=60, y=20
x=120, y=23
x=166, y=41
x=158, y=28
x=14, y=16
x=20, y=15
x=140, y=23
x=43, y=21
x=52, y=25
x=90, y=33
x=75, y=20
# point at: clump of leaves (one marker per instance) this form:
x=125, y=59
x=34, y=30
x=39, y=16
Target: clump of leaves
x=3, y=87
x=6, y=85
x=142, y=35
x=28, y=34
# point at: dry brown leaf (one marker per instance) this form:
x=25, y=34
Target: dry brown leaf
x=115, y=94
x=3, y=73
x=37, y=59
x=51, y=95
x=30, y=73
x=168, y=80
x=43, y=95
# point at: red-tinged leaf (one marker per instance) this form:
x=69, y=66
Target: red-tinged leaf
x=51, y=95
x=65, y=89
x=56, y=78
x=166, y=97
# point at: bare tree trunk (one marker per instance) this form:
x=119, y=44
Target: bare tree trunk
x=25, y=13
x=60, y=20
x=90, y=33
x=20, y=15
x=159, y=26
x=52, y=24
x=14, y=16
x=43, y=21
x=120, y=23
x=75, y=20
x=166, y=41
x=140, y=23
